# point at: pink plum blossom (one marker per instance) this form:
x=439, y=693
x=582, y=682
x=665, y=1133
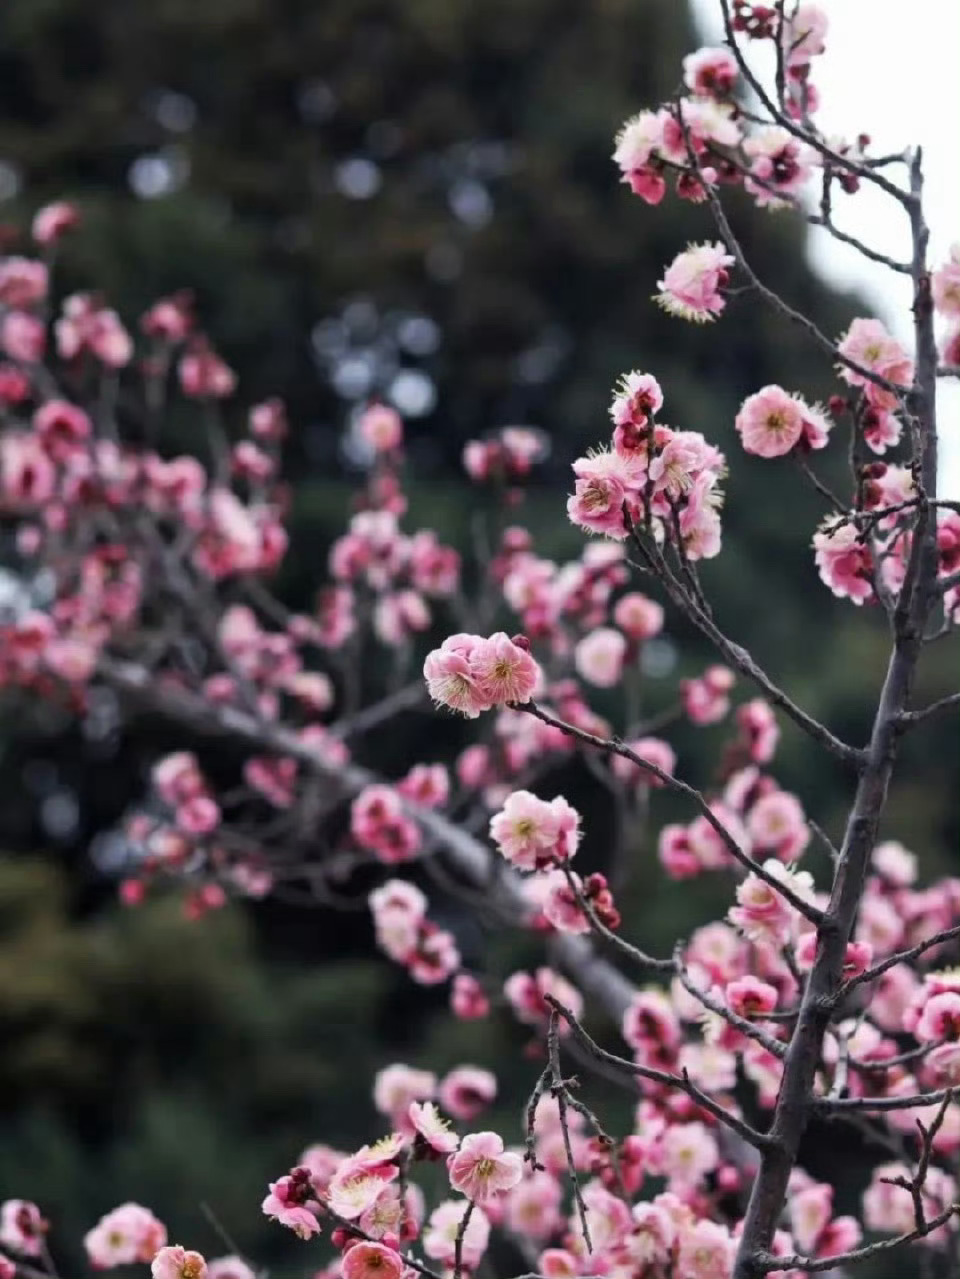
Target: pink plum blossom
x=51, y=221
x=433, y=1130
x=370, y=1260
x=710, y=72
x=443, y=1228
x=770, y=422
x=638, y=617
x=466, y=1091
x=946, y=284
x=127, y=1234
x=22, y=1227
x=691, y=285
x=468, y=1001
x=750, y=997
x=175, y=1262
x=601, y=489
x=844, y=561
x=470, y=674
x=868, y=344
x=482, y=1169
x=532, y=833
x=599, y=657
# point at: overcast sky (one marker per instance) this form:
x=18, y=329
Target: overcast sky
x=890, y=70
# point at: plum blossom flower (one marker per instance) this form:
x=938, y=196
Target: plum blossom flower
x=868, y=343
x=127, y=1234
x=368, y=1260
x=804, y=34
x=637, y=398
x=430, y=1126
x=638, y=617
x=691, y=285
x=533, y=1206
x=395, y=1087
x=776, y=823
x=636, y=155
x=940, y=1018
x=779, y=166
x=599, y=656
x=652, y=749
x=443, y=1227
x=470, y=674
x=175, y=1262
x=946, y=284
x=844, y=562
x=482, y=1169
x=751, y=997
x=468, y=1001
x=526, y=994
x=710, y=72
x=761, y=913
x=353, y=1190
x=532, y=833
x=770, y=422
x=705, y=1251
x=23, y=282
x=504, y=669
x=466, y=1091
x=291, y=1202
x=600, y=491
x=380, y=427
x=22, y=1227
x=706, y=700
x=560, y=904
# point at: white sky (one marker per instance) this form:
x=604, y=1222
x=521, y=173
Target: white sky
x=890, y=70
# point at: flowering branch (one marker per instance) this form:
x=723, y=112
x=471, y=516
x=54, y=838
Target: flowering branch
x=615, y=747
x=682, y=1082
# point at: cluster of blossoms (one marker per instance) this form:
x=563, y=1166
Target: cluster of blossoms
x=506, y=457
x=652, y=476
x=405, y=934
x=471, y=674
x=129, y=1234
x=705, y=139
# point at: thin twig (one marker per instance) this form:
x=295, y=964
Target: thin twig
x=616, y=747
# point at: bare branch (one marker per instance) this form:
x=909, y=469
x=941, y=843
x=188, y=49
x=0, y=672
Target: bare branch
x=768, y=1264
x=742, y=660
x=682, y=1081
x=910, y=719
x=915, y=1101
x=901, y=957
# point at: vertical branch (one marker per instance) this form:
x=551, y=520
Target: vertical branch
x=796, y=1098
